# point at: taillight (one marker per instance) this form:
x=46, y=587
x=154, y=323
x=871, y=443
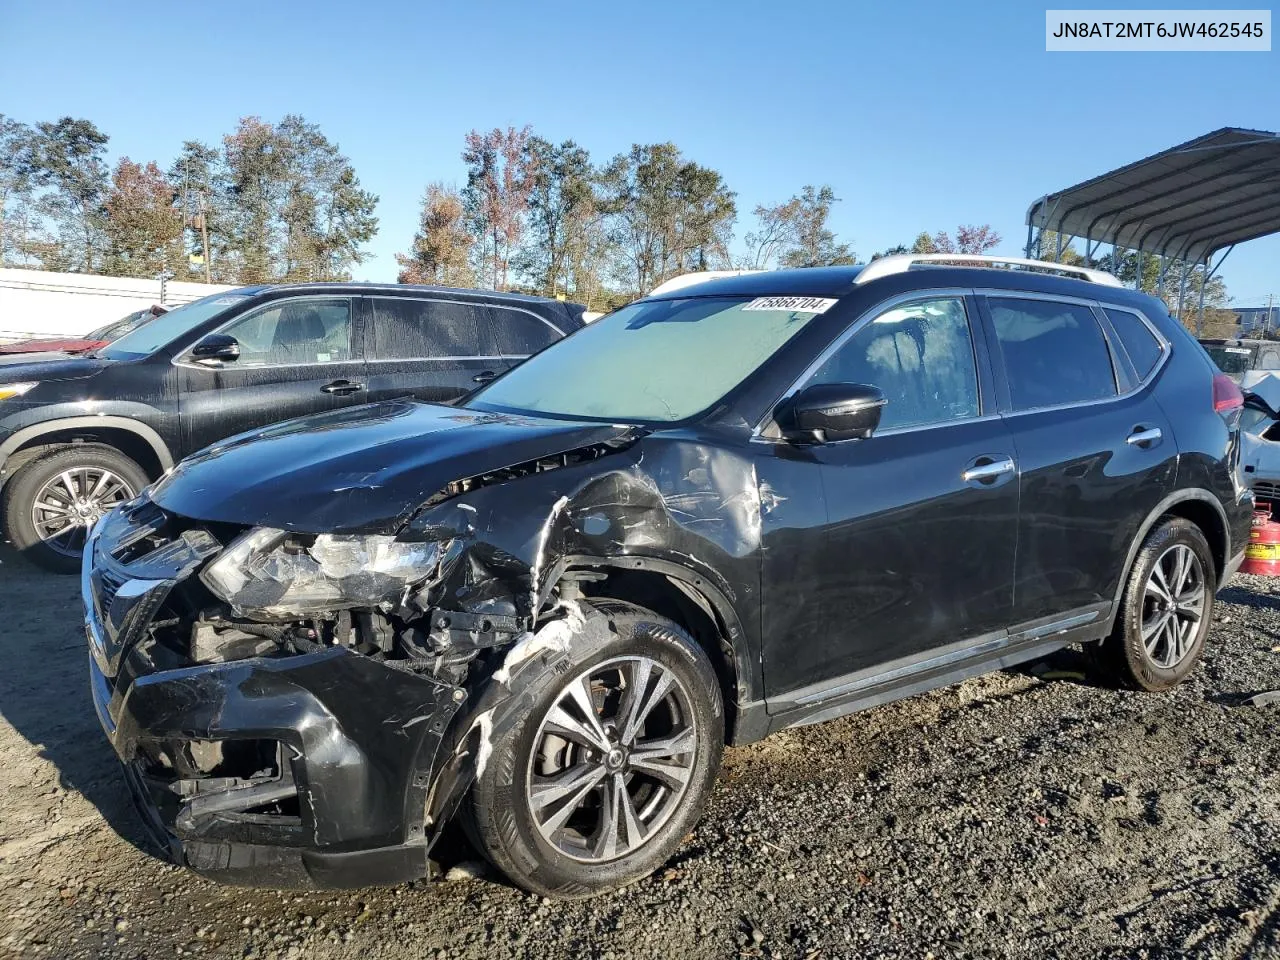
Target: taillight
x=1226, y=395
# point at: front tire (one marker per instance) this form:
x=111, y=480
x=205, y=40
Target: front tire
x=51, y=503
x=1165, y=612
x=611, y=765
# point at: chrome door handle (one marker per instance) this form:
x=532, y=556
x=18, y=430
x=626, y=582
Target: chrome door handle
x=342, y=387
x=986, y=470
x=1144, y=437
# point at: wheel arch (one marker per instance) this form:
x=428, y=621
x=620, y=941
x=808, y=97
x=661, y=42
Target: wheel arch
x=136, y=440
x=1194, y=504
x=691, y=600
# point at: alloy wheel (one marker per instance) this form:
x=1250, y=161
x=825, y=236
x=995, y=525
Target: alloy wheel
x=69, y=504
x=1173, y=605
x=612, y=759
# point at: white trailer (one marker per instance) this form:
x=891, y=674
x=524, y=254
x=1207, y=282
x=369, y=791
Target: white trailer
x=39, y=303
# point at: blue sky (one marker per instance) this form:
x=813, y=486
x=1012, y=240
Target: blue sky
x=920, y=115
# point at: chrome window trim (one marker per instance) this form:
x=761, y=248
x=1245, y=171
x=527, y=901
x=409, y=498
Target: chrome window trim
x=560, y=334
x=181, y=361
x=757, y=434
x=1094, y=304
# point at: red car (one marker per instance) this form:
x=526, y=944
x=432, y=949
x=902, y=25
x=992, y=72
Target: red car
x=90, y=341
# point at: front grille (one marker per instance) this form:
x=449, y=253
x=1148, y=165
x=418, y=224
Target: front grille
x=1267, y=490
x=138, y=553
x=109, y=584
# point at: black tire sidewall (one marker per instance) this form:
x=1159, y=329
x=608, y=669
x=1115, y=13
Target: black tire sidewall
x=1134, y=661
x=500, y=817
x=26, y=483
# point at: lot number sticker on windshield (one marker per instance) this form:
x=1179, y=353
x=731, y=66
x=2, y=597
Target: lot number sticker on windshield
x=796, y=304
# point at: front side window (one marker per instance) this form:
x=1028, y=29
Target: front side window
x=1054, y=353
x=168, y=327
x=294, y=332
x=655, y=360
x=425, y=329
x=920, y=355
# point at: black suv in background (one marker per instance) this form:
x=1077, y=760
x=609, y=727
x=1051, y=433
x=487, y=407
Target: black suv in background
x=755, y=503
x=80, y=434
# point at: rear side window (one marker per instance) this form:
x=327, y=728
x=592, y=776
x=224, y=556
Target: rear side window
x=1139, y=342
x=514, y=333
x=425, y=329
x=1054, y=353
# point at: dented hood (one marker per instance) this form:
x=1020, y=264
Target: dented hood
x=359, y=470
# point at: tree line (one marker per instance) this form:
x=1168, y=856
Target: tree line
x=275, y=201
x=270, y=201
x=544, y=218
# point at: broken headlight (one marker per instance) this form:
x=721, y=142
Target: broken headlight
x=269, y=574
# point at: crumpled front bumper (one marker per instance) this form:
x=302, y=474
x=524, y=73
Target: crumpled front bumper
x=357, y=744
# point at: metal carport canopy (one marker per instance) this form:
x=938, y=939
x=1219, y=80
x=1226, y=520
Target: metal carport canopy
x=1185, y=203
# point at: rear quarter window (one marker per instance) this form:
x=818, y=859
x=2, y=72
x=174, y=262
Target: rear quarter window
x=514, y=333
x=1139, y=342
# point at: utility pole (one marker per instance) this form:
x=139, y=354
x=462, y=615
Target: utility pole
x=204, y=235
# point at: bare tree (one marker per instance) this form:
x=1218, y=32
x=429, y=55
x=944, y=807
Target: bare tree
x=815, y=244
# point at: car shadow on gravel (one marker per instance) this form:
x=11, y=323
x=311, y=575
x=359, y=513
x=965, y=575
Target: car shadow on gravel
x=1068, y=665
x=44, y=690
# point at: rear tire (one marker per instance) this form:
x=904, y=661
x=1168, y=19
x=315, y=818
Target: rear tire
x=571, y=804
x=77, y=484
x=1165, y=611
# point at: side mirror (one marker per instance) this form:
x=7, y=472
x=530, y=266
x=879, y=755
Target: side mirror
x=215, y=350
x=826, y=412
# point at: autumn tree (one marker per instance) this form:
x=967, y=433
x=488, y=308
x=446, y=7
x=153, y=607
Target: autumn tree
x=66, y=160
x=442, y=245
x=969, y=240
x=496, y=197
x=143, y=227
x=814, y=244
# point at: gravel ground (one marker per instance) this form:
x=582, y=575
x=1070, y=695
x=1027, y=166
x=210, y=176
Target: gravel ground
x=1030, y=813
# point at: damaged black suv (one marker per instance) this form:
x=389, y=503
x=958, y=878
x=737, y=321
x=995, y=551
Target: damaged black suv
x=753, y=503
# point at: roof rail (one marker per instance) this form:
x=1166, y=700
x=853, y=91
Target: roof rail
x=901, y=262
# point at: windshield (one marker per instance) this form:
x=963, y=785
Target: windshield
x=661, y=360
x=119, y=328
x=1233, y=361
x=166, y=328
